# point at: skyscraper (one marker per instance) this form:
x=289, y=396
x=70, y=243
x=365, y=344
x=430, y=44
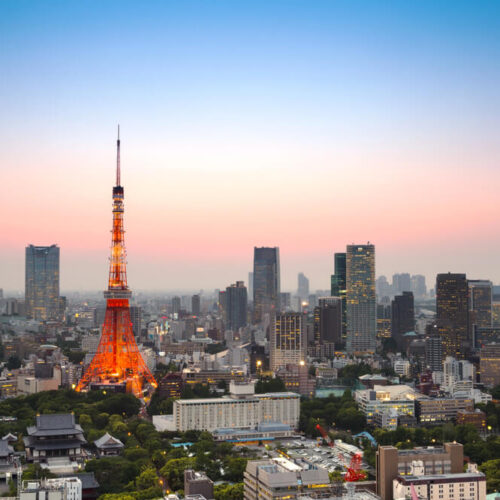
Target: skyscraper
x=452, y=314
x=328, y=321
x=176, y=305
x=338, y=286
x=360, y=298
x=266, y=282
x=288, y=340
x=42, y=283
x=250, y=286
x=236, y=306
x=418, y=286
x=401, y=283
x=403, y=318
x=303, y=286
x=195, y=305
x=480, y=307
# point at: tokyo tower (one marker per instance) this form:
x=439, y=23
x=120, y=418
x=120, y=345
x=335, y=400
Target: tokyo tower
x=117, y=362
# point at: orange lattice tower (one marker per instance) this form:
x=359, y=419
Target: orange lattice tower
x=118, y=360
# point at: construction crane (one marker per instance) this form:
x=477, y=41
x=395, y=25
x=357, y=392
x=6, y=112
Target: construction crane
x=324, y=435
x=354, y=472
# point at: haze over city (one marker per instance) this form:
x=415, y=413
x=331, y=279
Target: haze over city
x=306, y=126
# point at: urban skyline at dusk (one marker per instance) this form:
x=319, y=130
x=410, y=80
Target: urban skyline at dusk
x=303, y=127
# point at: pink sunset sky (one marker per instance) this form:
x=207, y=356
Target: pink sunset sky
x=242, y=126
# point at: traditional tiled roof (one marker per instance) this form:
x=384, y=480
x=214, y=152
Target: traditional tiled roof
x=108, y=441
x=55, y=425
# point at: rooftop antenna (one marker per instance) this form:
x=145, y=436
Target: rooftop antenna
x=118, y=158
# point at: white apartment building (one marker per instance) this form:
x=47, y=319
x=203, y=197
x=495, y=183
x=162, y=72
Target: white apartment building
x=60, y=488
x=470, y=485
x=242, y=409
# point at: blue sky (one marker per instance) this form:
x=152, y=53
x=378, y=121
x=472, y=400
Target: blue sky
x=399, y=96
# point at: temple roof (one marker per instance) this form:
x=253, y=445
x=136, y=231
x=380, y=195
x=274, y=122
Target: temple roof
x=108, y=441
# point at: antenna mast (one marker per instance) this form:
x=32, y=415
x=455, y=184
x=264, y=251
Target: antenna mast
x=118, y=158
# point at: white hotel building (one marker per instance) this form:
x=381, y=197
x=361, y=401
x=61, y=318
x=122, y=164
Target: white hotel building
x=242, y=409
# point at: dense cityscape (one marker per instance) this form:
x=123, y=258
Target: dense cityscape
x=248, y=250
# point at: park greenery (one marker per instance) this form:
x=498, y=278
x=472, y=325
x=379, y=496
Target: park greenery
x=151, y=462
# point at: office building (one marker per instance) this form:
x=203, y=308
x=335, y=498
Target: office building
x=403, y=318
x=401, y=283
x=236, y=306
x=434, y=353
x=242, y=409
x=288, y=340
x=420, y=484
x=440, y=410
x=42, y=283
x=381, y=399
x=250, y=286
x=339, y=286
x=136, y=319
x=360, y=298
x=328, y=321
x=480, y=309
x=384, y=321
x=195, y=305
x=383, y=288
x=477, y=418
x=452, y=317
x=266, y=282
x=391, y=462
x=198, y=483
x=176, y=305
x=490, y=365
x=285, y=301
x=59, y=488
x=418, y=286
x=302, y=286
x=279, y=478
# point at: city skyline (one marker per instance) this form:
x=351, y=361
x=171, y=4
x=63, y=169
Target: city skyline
x=280, y=124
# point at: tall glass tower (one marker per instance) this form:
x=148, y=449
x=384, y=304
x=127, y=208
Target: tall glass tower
x=266, y=282
x=42, y=283
x=361, y=300
x=338, y=286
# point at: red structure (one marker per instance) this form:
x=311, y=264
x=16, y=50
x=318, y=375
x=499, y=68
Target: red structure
x=354, y=472
x=117, y=361
x=324, y=435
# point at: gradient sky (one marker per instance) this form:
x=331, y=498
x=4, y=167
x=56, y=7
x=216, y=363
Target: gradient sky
x=302, y=124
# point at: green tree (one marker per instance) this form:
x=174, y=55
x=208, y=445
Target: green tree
x=13, y=363
x=173, y=471
x=229, y=491
x=492, y=470
x=147, y=479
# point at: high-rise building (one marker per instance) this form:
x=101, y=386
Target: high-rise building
x=236, y=306
x=328, y=321
x=136, y=318
x=195, y=305
x=403, y=318
x=338, y=285
x=383, y=288
x=288, y=340
x=176, y=305
x=434, y=353
x=266, y=282
x=401, y=283
x=303, y=286
x=360, y=298
x=42, y=283
x=250, y=286
x=418, y=286
x=490, y=365
x=452, y=314
x=480, y=307
x=384, y=321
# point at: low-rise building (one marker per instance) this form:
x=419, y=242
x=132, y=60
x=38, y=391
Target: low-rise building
x=477, y=418
x=280, y=478
x=242, y=409
x=436, y=410
x=108, y=446
x=461, y=485
x=198, y=483
x=391, y=462
x=60, y=488
x=55, y=440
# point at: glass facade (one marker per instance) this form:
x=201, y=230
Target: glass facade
x=42, y=283
x=266, y=282
x=361, y=299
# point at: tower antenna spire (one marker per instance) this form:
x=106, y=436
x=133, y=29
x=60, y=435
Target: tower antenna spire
x=118, y=158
